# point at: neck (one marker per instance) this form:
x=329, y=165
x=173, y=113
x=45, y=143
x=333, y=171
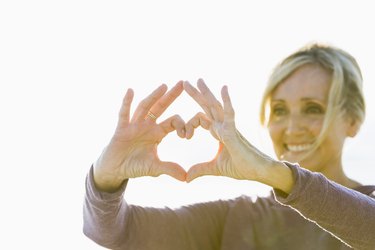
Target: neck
x=337, y=175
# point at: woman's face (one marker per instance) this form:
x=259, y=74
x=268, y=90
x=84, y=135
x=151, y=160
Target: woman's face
x=298, y=107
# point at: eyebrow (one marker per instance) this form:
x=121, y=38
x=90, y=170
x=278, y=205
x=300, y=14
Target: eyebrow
x=306, y=99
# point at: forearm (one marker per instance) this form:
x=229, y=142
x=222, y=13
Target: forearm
x=346, y=213
x=104, y=215
x=111, y=222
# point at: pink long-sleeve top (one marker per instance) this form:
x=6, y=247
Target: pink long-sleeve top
x=317, y=214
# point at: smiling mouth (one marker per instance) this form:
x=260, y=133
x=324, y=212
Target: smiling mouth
x=298, y=147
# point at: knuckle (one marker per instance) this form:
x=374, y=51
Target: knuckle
x=177, y=117
x=143, y=104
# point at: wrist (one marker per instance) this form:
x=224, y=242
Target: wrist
x=106, y=181
x=272, y=172
x=278, y=175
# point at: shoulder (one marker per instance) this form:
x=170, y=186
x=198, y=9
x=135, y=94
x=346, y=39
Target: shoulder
x=367, y=190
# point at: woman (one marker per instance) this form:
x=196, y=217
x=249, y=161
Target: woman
x=312, y=103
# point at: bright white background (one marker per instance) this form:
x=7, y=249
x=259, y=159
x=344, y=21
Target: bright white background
x=65, y=65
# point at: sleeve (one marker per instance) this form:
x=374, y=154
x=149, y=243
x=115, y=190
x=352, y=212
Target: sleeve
x=110, y=222
x=347, y=214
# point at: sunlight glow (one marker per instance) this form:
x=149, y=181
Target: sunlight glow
x=67, y=64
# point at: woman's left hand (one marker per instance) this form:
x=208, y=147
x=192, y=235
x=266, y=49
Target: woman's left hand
x=236, y=157
x=219, y=120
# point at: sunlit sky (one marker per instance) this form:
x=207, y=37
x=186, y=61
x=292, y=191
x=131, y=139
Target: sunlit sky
x=65, y=66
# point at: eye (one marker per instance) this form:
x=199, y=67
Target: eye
x=279, y=110
x=314, y=109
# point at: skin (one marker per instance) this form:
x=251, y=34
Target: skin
x=236, y=157
x=298, y=108
x=132, y=151
x=297, y=111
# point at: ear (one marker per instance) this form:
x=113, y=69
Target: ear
x=353, y=127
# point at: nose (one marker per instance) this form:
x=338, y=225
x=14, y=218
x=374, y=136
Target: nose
x=295, y=125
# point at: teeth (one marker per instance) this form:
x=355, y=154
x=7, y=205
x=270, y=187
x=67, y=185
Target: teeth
x=298, y=148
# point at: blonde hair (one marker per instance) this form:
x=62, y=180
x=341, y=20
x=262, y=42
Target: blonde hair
x=345, y=95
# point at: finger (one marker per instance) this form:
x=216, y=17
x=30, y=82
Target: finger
x=217, y=113
x=170, y=168
x=146, y=104
x=124, y=114
x=229, y=114
x=215, y=106
x=206, y=91
x=199, y=119
x=198, y=97
x=201, y=169
x=174, y=123
x=161, y=105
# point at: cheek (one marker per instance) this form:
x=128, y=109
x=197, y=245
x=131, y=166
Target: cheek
x=275, y=132
x=315, y=126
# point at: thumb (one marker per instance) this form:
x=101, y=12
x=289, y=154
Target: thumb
x=172, y=169
x=201, y=169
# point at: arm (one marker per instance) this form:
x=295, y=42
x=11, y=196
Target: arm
x=346, y=213
x=103, y=214
x=132, y=153
x=112, y=223
x=236, y=157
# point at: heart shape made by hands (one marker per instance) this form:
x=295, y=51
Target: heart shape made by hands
x=201, y=147
x=195, y=150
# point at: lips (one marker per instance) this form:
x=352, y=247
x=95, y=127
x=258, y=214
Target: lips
x=298, y=147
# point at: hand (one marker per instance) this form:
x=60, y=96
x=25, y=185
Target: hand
x=132, y=151
x=236, y=157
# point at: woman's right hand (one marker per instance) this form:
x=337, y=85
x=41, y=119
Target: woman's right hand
x=132, y=151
